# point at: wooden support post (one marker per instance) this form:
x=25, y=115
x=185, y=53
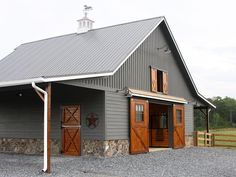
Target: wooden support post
x=213, y=140
x=196, y=138
x=49, y=91
x=205, y=137
x=207, y=120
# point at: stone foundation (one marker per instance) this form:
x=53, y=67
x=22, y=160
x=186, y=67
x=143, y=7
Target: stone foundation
x=107, y=148
x=27, y=146
x=189, y=141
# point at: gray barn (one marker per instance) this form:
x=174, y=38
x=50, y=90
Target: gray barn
x=115, y=90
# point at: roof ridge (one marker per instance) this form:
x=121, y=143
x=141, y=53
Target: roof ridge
x=127, y=23
x=92, y=30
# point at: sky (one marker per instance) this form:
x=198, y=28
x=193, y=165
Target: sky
x=205, y=30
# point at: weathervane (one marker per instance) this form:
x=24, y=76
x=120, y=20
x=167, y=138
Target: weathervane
x=86, y=9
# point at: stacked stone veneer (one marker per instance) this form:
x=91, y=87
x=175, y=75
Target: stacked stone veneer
x=107, y=148
x=189, y=142
x=27, y=146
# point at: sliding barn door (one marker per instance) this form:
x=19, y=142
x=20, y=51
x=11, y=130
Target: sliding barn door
x=71, y=130
x=179, y=127
x=139, y=135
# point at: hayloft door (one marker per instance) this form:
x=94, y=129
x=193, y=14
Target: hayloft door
x=139, y=137
x=71, y=130
x=178, y=122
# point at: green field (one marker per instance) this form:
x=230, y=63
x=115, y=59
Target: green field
x=224, y=131
x=227, y=131
x=223, y=141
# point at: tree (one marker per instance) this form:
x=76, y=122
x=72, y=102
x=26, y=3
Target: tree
x=222, y=117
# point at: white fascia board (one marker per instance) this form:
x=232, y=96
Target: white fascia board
x=65, y=78
x=51, y=79
x=21, y=82
x=202, y=97
x=155, y=98
x=180, y=54
x=189, y=75
x=138, y=46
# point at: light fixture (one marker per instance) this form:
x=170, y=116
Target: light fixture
x=20, y=94
x=165, y=48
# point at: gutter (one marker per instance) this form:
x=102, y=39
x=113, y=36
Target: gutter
x=21, y=82
x=52, y=79
x=45, y=135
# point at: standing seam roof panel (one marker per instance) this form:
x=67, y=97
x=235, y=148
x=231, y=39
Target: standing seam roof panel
x=97, y=51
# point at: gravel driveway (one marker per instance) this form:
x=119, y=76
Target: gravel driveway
x=188, y=162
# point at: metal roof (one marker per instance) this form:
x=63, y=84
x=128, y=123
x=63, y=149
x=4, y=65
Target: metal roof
x=98, y=51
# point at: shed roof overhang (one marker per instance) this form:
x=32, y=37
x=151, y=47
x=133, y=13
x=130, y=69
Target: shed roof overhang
x=156, y=96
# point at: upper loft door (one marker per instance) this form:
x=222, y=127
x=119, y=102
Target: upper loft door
x=139, y=118
x=179, y=129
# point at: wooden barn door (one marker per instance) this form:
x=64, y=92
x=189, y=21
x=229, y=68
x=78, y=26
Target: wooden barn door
x=179, y=127
x=139, y=135
x=71, y=130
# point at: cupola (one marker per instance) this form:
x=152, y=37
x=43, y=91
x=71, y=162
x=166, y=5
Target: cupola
x=85, y=24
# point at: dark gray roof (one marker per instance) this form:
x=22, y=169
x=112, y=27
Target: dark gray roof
x=97, y=51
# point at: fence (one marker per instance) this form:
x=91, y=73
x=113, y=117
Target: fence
x=214, y=139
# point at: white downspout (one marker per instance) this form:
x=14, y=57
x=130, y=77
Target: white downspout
x=45, y=125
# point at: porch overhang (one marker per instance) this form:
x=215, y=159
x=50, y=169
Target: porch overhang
x=155, y=96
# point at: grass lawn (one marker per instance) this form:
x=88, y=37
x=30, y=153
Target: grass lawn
x=227, y=131
x=224, y=131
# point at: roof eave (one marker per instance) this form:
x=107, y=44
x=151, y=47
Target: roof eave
x=51, y=79
x=186, y=68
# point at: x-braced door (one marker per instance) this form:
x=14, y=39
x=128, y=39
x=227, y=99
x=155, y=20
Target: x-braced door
x=139, y=135
x=71, y=130
x=179, y=127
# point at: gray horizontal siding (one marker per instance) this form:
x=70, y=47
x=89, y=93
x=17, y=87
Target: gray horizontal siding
x=117, y=115
x=22, y=117
x=189, y=119
x=90, y=101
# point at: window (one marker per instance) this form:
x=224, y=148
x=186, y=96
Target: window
x=159, y=81
x=139, y=112
x=163, y=120
x=178, y=116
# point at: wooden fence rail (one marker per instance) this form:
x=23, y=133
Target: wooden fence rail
x=214, y=139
